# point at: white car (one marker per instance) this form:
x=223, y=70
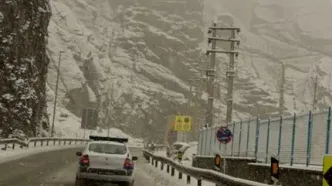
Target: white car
x=107, y=160
x=176, y=147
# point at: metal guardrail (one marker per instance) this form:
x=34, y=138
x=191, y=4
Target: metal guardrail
x=43, y=141
x=197, y=173
x=157, y=147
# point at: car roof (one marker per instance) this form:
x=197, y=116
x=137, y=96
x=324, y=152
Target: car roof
x=181, y=143
x=107, y=142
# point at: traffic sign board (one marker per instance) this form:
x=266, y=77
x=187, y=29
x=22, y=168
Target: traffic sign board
x=217, y=160
x=275, y=174
x=224, y=135
x=89, y=118
x=327, y=170
x=182, y=123
x=187, y=123
x=178, y=123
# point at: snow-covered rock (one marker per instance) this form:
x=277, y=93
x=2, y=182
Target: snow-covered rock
x=150, y=49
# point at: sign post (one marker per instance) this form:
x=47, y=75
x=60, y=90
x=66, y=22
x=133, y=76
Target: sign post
x=224, y=136
x=275, y=171
x=327, y=170
x=182, y=124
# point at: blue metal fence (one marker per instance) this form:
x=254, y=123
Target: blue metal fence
x=302, y=139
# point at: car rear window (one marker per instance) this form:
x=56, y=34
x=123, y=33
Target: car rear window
x=177, y=147
x=107, y=148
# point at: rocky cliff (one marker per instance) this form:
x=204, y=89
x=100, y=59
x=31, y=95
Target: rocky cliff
x=147, y=50
x=23, y=66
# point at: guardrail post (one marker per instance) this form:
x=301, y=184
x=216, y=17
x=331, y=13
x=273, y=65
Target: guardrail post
x=64, y=142
x=13, y=147
x=69, y=142
x=53, y=142
x=248, y=135
x=199, y=182
x=268, y=140
x=188, y=179
x=152, y=162
x=5, y=148
x=167, y=168
x=162, y=166
x=172, y=171
x=257, y=136
x=279, y=140
x=180, y=175
x=240, y=134
x=156, y=163
x=293, y=140
x=327, y=142
x=35, y=143
x=41, y=143
x=233, y=131
x=47, y=142
x=309, y=139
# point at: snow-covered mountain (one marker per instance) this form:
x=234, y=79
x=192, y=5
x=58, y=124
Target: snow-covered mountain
x=148, y=50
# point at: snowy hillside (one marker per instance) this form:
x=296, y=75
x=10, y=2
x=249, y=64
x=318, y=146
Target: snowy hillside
x=150, y=49
x=274, y=32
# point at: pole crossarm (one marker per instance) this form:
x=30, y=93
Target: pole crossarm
x=224, y=28
x=223, y=39
x=222, y=51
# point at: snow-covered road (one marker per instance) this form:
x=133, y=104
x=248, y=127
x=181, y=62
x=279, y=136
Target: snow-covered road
x=57, y=168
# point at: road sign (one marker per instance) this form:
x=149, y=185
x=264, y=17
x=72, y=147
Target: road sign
x=224, y=135
x=187, y=123
x=182, y=123
x=217, y=160
x=275, y=170
x=327, y=170
x=89, y=118
x=178, y=123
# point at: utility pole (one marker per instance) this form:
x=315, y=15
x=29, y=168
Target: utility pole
x=230, y=75
x=110, y=100
x=282, y=89
x=191, y=91
x=192, y=82
x=210, y=73
x=56, y=93
x=314, y=103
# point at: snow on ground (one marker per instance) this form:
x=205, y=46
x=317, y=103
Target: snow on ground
x=68, y=125
x=162, y=178
x=295, y=166
x=10, y=155
x=165, y=179
x=188, y=154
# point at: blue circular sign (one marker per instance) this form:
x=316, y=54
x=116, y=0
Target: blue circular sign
x=224, y=135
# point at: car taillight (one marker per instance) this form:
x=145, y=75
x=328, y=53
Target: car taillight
x=128, y=164
x=84, y=160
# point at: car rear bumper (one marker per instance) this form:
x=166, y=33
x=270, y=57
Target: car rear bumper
x=104, y=178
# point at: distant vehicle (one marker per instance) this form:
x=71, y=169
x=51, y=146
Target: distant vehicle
x=106, y=159
x=176, y=148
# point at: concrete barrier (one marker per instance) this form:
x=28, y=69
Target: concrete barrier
x=247, y=168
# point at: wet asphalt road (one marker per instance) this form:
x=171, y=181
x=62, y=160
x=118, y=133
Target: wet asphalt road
x=57, y=168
